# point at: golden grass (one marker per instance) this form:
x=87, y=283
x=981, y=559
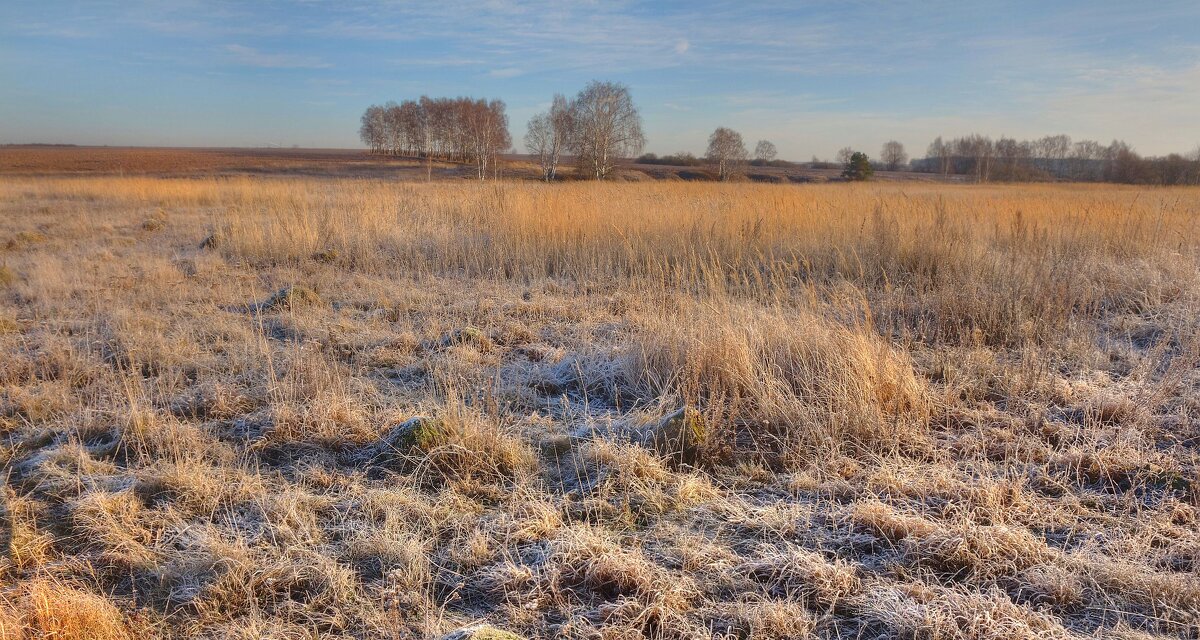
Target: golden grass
x=47, y=609
x=922, y=411
x=1000, y=263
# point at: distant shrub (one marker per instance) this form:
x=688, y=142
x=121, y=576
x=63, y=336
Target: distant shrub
x=211, y=241
x=326, y=256
x=24, y=239
x=682, y=159
x=291, y=298
x=781, y=164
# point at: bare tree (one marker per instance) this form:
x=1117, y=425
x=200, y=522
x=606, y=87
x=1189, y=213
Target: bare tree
x=1174, y=169
x=539, y=141
x=1054, y=150
x=893, y=155
x=1087, y=160
x=1061, y=146
x=392, y=117
x=940, y=151
x=1010, y=159
x=486, y=133
x=765, y=151
x=1124, y=164
x=549, y=134
x=978, y=150
x=844, y=154
x=419, y=126
x=607, y=127
x=727, y=151
x=373, y=131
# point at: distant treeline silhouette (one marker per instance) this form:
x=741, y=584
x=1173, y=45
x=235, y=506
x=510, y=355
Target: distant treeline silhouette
x=1055, y=158
x=601, y=125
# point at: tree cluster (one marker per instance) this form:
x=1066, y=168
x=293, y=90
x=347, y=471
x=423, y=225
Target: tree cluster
x=455, y=129
x=598, y=127
x=1054, y=158
x=728, y=154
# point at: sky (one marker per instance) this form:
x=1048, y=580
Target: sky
x=812, y=77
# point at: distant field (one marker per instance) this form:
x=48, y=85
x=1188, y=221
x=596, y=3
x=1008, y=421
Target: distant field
x=234, y=407
x=39, y=160
x=340, y=163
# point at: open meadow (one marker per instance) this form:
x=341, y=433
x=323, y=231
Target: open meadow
x=70, y=160
x=233, y=407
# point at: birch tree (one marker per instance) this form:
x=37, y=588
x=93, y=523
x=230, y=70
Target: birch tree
x=941, y=152
x=373, y=129
x=727, y=151
x=893, y=155
x=549, y=134
x=486, y=132
x=607, y=127
x=765, y=151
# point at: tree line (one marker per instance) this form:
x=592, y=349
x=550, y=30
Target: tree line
x=597, y=128
x=1055, y=157
x=601, y=125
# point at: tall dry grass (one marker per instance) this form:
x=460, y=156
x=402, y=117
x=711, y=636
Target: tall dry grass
x=790, y=294
x=996, y=264
x=928, y=411
x=43, y=608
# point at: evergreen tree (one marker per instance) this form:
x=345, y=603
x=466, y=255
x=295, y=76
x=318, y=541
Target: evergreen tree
x=858, y=167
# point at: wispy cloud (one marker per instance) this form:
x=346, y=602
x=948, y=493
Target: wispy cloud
x=819, y=75
x=444, y=61
x=47, y=30
x=251, y=57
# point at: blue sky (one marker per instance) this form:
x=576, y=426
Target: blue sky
x=811, y=76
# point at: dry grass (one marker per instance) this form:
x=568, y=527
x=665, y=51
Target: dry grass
x=911, y=410
x=43, y=608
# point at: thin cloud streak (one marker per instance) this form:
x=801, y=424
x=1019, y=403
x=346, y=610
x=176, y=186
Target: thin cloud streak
x=251, y=57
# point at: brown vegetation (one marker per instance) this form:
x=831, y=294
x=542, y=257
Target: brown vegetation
x=30, y=161
x=908, y=410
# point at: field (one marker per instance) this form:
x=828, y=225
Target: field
x=42, y=160
x=233, y=407
x=33, y=160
